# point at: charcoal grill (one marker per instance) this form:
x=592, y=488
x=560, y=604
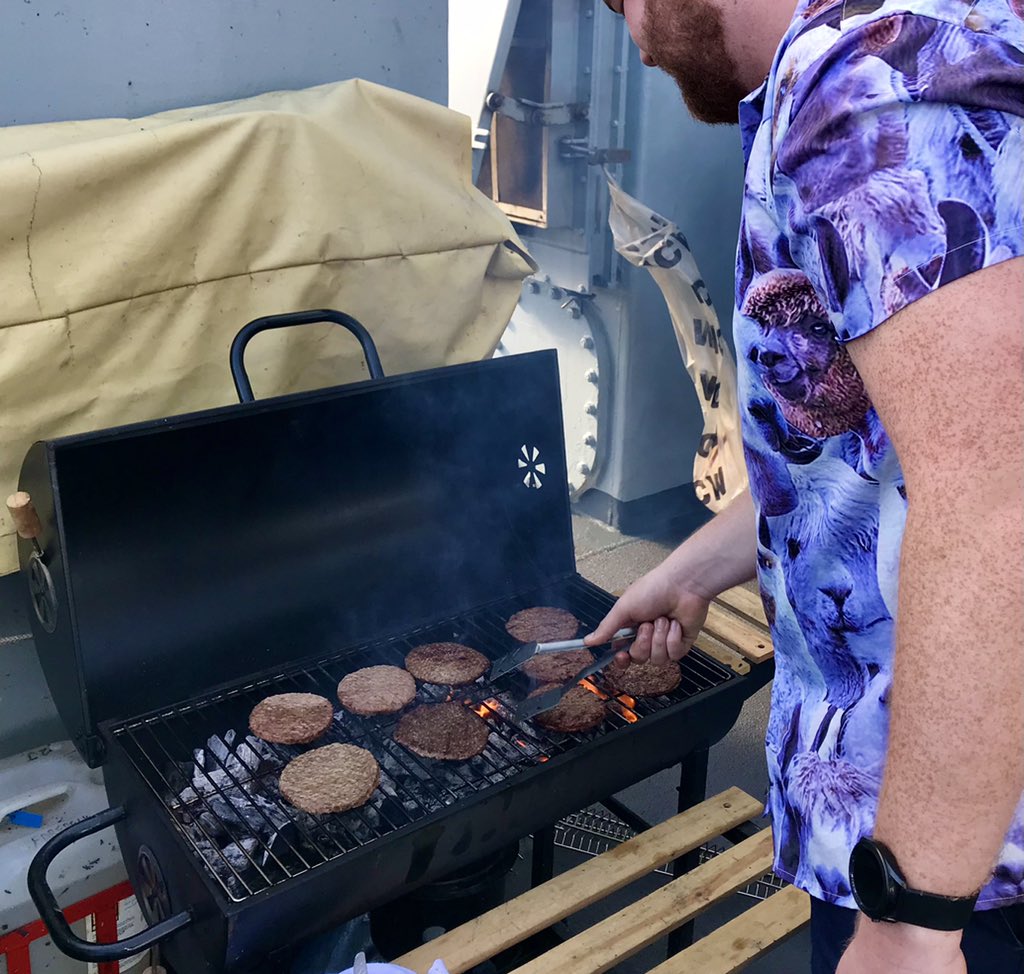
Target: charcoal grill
x=203, y=562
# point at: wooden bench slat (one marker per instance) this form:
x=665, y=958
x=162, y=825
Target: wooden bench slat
x=602, y=946
x=738, y=633
x=537, y=909
x=717, y=650
x=746, y=603
x=735, y=944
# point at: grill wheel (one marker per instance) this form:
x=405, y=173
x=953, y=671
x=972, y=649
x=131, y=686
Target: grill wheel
x=152, y=890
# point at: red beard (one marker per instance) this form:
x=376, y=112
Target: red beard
x=687, y=40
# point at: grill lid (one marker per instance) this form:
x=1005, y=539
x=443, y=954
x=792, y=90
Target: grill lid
x=191, y=551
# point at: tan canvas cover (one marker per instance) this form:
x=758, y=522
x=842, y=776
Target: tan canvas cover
x=132, y=251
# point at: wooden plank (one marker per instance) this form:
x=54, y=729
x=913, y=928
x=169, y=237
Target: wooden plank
x=722, y=653
x=737, y=943
x=607, y=943
x=746, y=603
x=738, y=633
x=533, y=911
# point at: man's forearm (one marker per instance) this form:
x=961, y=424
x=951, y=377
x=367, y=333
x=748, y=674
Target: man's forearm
x=955, y=766
x=954, y=770
x=721, y=554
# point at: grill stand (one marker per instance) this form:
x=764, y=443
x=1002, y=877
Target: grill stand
x=692, y=788
x=693, y=780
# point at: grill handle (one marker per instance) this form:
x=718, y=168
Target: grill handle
x=52, y=916
x=241, y=378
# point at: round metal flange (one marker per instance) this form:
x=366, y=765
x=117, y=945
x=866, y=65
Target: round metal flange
x=551, y=316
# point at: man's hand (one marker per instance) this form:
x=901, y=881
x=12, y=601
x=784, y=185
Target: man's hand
x=669, y=605
x=666, y=614
x=897, y=948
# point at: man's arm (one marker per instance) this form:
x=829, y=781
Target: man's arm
x=946, y=375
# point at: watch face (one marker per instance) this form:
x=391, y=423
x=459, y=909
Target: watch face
x=869, y=880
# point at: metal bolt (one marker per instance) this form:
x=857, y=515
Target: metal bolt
x=582, y=288
x=557, y=294
x=618, y=69
x=589, y=14
x=583, y=468
x=586, y=72
x=591, y=376
x=590, y=440
x=615, y=123
x=586, y=342
x=500, y=347
x=590, y=408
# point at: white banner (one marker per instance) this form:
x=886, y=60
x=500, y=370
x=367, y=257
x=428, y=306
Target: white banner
x=648, y=240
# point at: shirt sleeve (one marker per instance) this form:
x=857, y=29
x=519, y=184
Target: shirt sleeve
x=899, y=164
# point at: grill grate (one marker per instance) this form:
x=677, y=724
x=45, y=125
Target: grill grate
x=595, y=830
x=220, y=785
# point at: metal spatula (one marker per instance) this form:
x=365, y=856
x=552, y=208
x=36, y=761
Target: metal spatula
x=532, y=706
x=527, y=651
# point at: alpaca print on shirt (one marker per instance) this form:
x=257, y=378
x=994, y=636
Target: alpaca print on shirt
x=885, y=158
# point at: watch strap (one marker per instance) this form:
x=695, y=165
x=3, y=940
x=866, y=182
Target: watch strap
x=932, y=910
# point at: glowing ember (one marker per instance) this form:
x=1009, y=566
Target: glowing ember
x=521, y=743
x=542, y=758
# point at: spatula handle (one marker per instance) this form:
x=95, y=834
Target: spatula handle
x=565, y=644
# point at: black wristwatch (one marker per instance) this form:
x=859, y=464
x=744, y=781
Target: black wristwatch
x=882, y=893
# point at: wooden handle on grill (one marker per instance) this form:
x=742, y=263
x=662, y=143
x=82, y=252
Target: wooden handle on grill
x=23, y=513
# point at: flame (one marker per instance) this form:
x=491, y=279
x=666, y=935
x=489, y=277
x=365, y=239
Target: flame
x=542, y=758
x=521, y=743
x=629, y=706
x=600, y=694
x=488, y=709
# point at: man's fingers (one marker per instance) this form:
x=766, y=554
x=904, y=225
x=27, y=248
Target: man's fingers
x=679, y=644
x=659, y=644
x=615, y=620
x=641, y=648
x=674, y=641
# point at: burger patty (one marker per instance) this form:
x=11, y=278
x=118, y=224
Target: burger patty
x=579, y=710
x=542, y=624
x=291, y=718
x=333, y=778
x=448, y=731
x=643, y=679
x=377, y=690
x=449, y=664
x=557, y=667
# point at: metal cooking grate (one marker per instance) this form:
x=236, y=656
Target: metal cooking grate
x=220, y=786
x=595, y=830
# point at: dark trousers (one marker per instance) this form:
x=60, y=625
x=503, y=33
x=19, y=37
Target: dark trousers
x=993, y=942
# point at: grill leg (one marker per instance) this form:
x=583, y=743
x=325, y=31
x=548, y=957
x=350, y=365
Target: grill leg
x=693, y=783
x=543, y=856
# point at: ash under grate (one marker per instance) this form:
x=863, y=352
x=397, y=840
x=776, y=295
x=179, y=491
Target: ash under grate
x=594, y=830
